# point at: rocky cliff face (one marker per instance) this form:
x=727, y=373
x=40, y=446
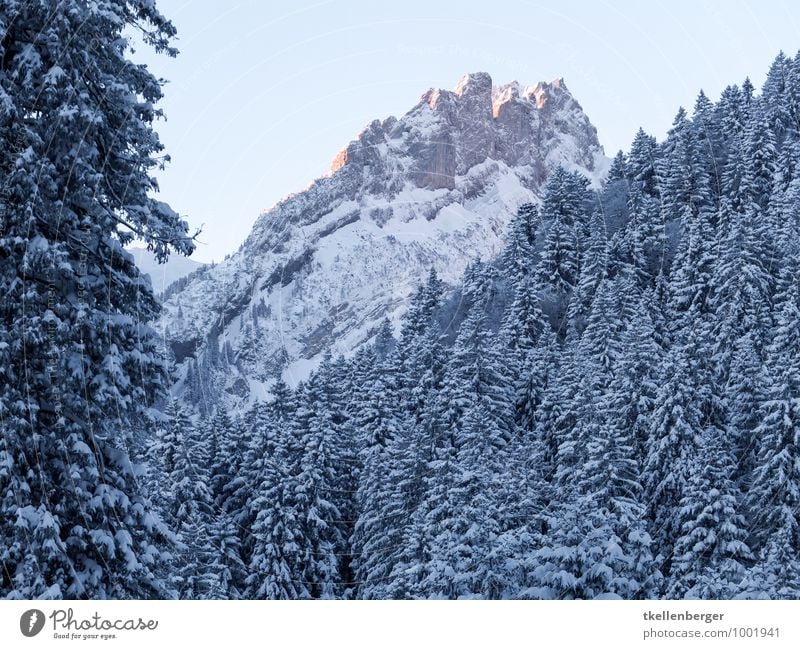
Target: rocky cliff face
x=321, y=268
x=448, y=133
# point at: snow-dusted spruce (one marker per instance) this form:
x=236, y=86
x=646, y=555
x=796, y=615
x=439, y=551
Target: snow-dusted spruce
x=227, y=443
x=179, y=460
x=79, y=364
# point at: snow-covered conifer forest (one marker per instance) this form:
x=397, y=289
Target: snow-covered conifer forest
x=605, y=403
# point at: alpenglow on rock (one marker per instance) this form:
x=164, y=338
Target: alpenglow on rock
x=322, y=268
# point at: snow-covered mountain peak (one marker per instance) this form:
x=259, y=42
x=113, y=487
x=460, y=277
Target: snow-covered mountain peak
x=556, y=92
x=476, y=84
x=433, y=188
x=502, y=94
x=448, y=132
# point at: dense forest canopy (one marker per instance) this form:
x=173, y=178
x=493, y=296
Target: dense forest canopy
x=609, y=409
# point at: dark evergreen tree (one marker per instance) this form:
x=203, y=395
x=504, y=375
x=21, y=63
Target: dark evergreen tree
x=188, y=506
x=225, y=454
x=318, y=486
x=774, y=492
x=80, y=366
x=675, y=424
x=711, y=555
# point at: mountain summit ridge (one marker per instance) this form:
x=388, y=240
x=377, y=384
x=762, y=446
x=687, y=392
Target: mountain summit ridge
x=476, y=119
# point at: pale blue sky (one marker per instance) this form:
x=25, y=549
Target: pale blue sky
x=264, y=93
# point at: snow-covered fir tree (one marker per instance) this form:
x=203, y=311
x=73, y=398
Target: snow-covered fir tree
x=80, y=366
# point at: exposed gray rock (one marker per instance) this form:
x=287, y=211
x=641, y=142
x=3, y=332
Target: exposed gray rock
x=447, y=133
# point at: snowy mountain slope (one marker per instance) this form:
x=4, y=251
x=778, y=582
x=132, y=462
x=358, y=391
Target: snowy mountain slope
x=162, y=275
x=323, y=267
